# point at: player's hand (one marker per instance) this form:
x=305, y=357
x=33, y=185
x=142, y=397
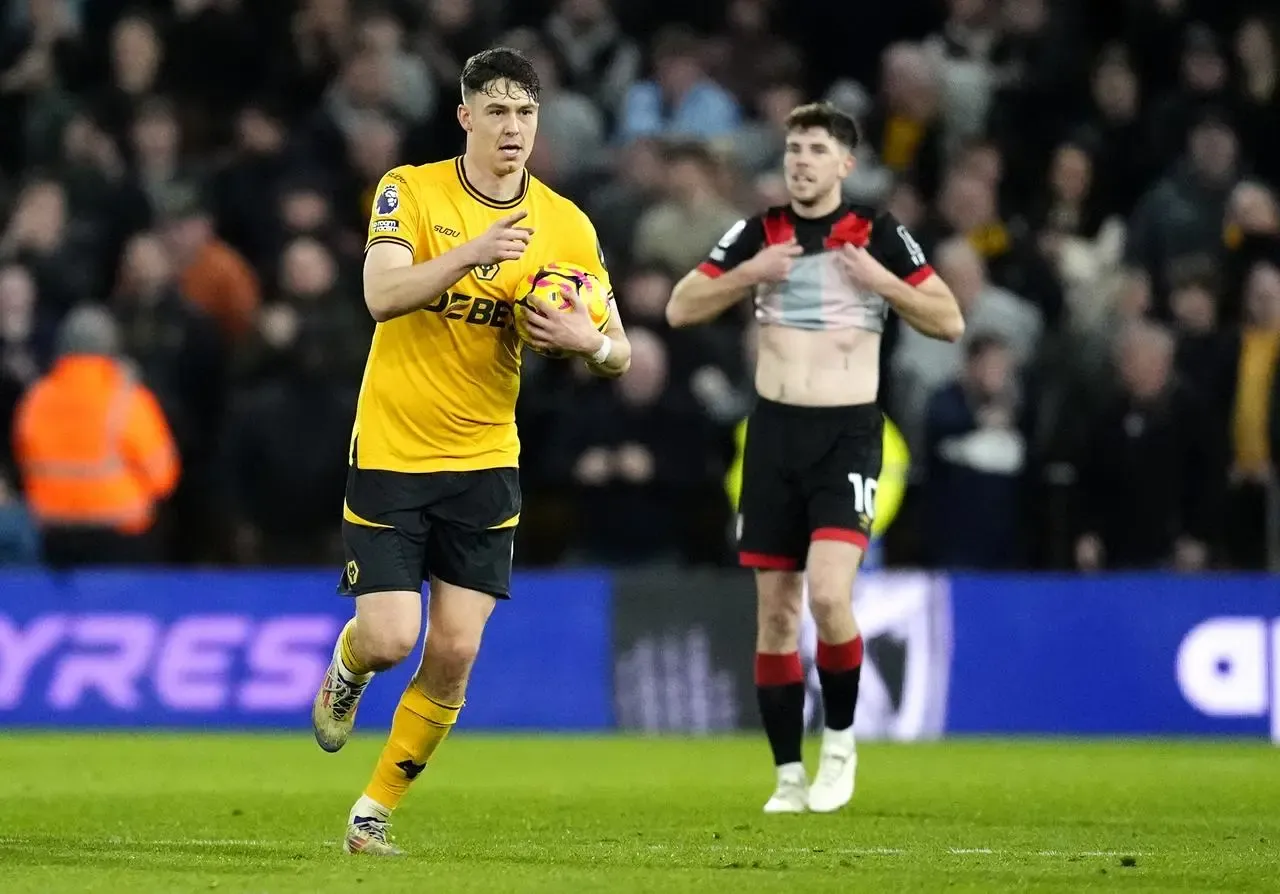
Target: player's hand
x=773, y=262
x=1089, y=552
x=554, y=329
x=863, y=270
x=504, y=241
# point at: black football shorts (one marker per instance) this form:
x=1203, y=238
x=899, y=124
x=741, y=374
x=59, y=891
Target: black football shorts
x=398, y=528
x=808, y=473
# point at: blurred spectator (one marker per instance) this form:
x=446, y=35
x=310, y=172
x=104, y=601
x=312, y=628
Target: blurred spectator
x=1252, y=234
x=961, y=52
x=210, y=273
x=136, y=68
x=749, y=54
x=759, y=146
x=679, y=231
x=594, y=56
x=1202, y=89
x=36, y=236
x=19, y=539
x=616, y=207
x=175, y=346
x=258, y=163
x=218, y=55
x=158, y=166
x=285, y=452
x=21, y=354
x=310, y=299
x=642, y=457
x=921, y=365
x=968, y=206
x=1258, y=95
x=681, y=100
x=94, y=450
x=413, y=91
x=904, y=127
x=1251, y=424
x=1182, y=215
x=39, y=59
x=976, y=454
x=1150, y=495
x=1205, y=354
x=1115, y=124
x=1036, y=60
x=1084, y=247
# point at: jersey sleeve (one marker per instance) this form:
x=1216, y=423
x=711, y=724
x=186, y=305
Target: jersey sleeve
x=893, y=245
x=741, y=242
x=395, y=215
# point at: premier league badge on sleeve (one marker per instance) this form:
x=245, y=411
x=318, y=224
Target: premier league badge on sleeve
x=388, y=200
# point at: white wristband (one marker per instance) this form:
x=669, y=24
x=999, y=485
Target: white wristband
x=602, y=353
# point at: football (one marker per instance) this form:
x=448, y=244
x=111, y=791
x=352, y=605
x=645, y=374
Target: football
x=556, y=287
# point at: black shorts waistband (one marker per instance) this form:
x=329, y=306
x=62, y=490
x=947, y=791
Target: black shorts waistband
x=852, y=414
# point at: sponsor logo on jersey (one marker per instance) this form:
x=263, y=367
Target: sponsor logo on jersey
x=472, y=310
x=446, y=231
x=486, y=272
x=386, y=226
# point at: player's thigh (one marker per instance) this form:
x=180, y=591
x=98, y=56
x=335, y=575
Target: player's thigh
x=384, y=544
x=772, y=528
x=840, y=491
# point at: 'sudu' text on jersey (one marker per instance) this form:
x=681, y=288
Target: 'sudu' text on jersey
x=817, y=295
x=440, y=385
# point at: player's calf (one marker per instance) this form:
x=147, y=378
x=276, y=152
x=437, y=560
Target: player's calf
x=779, y=678
x=383, y=633
x=833, y=566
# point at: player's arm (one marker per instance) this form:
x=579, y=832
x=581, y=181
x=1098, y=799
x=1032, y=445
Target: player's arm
x=893, y=265
x=393, y=284
x=738, y=263
x=616, y=351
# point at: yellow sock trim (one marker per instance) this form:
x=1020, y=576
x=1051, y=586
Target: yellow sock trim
x=347, y=654
x=420, y=724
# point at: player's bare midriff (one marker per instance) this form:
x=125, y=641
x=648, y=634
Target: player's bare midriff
x=809, y=368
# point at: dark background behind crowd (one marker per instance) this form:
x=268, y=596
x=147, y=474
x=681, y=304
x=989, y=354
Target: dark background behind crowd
x=1095, y=180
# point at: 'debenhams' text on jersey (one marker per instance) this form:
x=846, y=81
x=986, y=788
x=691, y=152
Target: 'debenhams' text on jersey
x=817, y=295
x=440, y=385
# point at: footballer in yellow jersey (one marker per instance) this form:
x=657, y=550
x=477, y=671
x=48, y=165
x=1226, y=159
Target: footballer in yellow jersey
x=432, y=490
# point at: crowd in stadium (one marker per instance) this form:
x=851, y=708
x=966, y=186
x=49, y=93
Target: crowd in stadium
x=1095, y=181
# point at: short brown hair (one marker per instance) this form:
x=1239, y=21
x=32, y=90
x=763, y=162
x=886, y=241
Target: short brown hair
x=827, y=117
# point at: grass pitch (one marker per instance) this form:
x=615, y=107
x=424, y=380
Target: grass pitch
x=178, y=813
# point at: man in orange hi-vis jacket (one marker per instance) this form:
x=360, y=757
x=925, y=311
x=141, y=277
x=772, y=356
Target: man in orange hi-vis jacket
x=94, y=450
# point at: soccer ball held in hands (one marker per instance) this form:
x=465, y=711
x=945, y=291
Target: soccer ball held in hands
x=555, y=288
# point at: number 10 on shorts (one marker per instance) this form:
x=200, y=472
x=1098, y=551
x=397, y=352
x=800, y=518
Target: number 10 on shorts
x=864, y=494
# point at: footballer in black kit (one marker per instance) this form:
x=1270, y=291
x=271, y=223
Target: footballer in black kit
x=822, y=275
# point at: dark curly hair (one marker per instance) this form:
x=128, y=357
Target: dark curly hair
x=485, y=69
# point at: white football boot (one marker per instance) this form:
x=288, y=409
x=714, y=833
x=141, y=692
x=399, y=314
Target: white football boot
x=333, y=713
x=838, y=766
x=791, y=795
x=367, y=830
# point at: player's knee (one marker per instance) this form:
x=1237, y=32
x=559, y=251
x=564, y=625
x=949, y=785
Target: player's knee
x=451, y=654
x=385, y=647
x=830, y=596
x=781, y=599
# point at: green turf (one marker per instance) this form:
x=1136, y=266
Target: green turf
x=177, y=813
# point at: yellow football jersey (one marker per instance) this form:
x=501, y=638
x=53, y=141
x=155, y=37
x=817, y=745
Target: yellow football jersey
x=440, y=385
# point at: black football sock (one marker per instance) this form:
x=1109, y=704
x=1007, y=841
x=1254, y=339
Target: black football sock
x=780, y=694
x=839, y=671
